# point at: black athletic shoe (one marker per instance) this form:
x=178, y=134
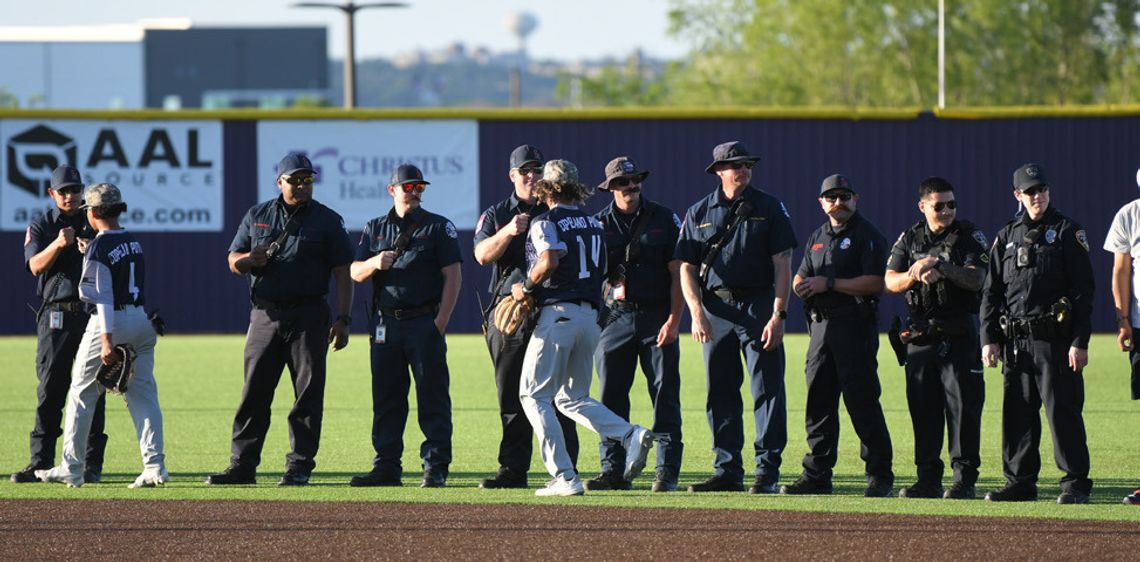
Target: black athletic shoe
x=291, y=478
x=1069, y=497
x=28, y=474
x=921, y=489
x=506, y=478
x=764, y=486
x=1013, y=492
x=375, y=478
x=879, y=487
x=232, y=476
x=805, y=486
x=92, y=475
x=433, y=480
x=717, y=483
x=665, y=481
x=607, y=481
x=960, y=491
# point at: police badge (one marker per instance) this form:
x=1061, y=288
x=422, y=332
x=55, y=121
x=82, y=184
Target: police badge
x=1083, y=239
x=1050, y=236
x=845, y=243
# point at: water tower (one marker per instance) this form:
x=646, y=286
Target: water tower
x=521, y=24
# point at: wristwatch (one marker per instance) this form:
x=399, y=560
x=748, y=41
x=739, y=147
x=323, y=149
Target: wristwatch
x=344, y=318
x=1122, y=318
x=830, y=283
x=781, y=314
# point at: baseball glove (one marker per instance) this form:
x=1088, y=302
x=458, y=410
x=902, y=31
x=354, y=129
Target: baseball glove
x=116, y=376
x=511, y=314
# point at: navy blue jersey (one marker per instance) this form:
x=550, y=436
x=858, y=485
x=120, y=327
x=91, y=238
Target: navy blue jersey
x=414, y=279
x=60, y=283
x=579, y=241
x=513, y=261
x=114, y=270
x=745, y=262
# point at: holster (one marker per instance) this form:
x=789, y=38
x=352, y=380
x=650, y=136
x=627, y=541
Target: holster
x=895, y=338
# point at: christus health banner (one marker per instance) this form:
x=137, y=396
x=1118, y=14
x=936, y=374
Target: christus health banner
x=355, y=159
x=170, y=172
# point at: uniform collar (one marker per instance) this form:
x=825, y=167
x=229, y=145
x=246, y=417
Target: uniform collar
x=412, y=214
x=851, y=223
x=612, y=209
x=285, y=207
x=517, y=203
x=718, y=199
x=1028, y=221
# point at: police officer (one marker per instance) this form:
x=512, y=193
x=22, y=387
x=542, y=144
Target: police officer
x=500, y=239
x=290, y=246
x=1036, y=315
x=53, y=252
x=1123, y=241
x=641, y=321
x=412, y=257
x=736, y=253
x=940, y=264
x=840, y=279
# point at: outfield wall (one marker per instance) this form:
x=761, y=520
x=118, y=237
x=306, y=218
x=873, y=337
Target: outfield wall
x=1090, y=154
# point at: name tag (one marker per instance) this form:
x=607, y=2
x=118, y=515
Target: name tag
x=381, y=333
x=55, y=319
x=619, y=292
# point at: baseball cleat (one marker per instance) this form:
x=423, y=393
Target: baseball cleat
x=61, y=476
x=561, y=487
x=150, y=478
x=1133, y=498
x=637, y=448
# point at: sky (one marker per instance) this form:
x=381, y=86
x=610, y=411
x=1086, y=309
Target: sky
x=567, y=29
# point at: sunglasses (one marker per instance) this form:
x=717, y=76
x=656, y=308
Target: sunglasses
x=738, y=165
x=1035, y=190
x=624, y=182
x=530, y=170
x=416, y=187
x=945, y=205
x=831, y=197
x=297, y=181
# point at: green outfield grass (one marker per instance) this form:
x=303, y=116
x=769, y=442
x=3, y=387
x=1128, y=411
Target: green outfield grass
x=200, y=380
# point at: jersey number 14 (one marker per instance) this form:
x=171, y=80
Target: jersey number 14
x=584, y=271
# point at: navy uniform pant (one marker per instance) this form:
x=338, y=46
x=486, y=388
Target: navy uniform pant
x=517, y=445
x=296, y=338
x=1037, y=372
x=737, y=327
x=945, y=389
x=842, y=360
x=55, y=354
x=629, y=337
x=417, y=345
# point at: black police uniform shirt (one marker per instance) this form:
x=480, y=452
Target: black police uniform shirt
x=968, y=249
x=745, y=261
x=60, y=283
x=579, y=240
x=114, y=274
x=513, y=260
x=856, y=249
x=414, y=279
x=1055, y=263
x=646, y=280
x=301, y=267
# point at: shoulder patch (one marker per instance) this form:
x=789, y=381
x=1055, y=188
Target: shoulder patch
x=1083, y=239
x=980, y=237
x=479, y=225
x=676, y=220
x=450, y=229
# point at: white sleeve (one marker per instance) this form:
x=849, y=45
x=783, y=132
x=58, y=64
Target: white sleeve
x=544, y=237
x=95, y=288
x=1117, y=240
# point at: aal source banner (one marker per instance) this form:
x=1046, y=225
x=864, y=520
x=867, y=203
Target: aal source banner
x=170, y=172
x=355, y=160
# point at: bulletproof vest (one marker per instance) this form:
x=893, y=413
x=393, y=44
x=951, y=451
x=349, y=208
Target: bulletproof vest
x=926, y=300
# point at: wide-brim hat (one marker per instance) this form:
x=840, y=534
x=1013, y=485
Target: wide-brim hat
x=732, y=151
x=622, y=167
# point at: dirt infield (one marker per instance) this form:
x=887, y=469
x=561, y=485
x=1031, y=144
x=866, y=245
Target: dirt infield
x=136, y=530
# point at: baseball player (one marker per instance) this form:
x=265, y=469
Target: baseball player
x=566, y=259
x=114, y=282
x=1123, y=241
x=53, y=252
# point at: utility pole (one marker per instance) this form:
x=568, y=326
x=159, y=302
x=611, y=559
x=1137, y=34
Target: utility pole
x=350, y=10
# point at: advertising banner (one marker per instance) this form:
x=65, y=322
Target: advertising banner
x=355, y=161
x=170, y=172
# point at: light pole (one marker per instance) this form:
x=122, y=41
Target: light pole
x=941, y=54
x=350, y=10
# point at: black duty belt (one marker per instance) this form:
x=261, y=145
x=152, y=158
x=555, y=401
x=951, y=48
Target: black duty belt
x=68, y=306
x=820, y=314
x=739, y=294
x=265, y=304
x=409, y=313
x=634, y=305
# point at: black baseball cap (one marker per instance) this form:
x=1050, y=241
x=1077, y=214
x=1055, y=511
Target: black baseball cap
x=836, y=182
x=526, y=154
x=294, y=162
x=731, y=151
x=407, y=173
x=1027, y=176
x=65, y=176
